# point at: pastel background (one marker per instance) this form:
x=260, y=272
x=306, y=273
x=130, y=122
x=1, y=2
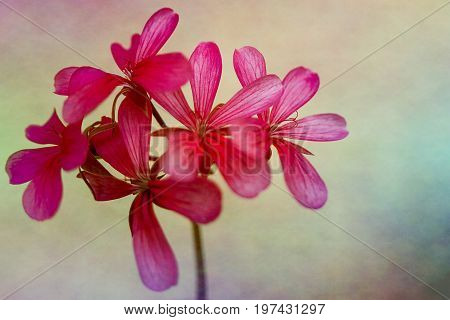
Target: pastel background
x=389, y=181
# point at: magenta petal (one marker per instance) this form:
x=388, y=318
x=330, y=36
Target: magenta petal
x=250, y=136
x=300, y=85
x=154, y=256
x=319, y=127
x=246, y=175
x=164, y=72
x=62, y=80
x=135, y=127
x=110, y=146
x=156, y=32
x=88, y=88
x=249, y=65
x=74, y=147
x=43, y=195
x=175, y=103
x=24, y=165
x=206, y=64
x=48, y=133
x=250, y=100
x=301, y=178
x=181, y=160
x=199, y=200
x=125, y=58
x=107, y=187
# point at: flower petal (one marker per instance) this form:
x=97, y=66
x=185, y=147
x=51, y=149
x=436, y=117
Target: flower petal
x=250, y=136
x=22, y=166
x=62, y=80
x=319, y=127
x=206, y=64
x=107, y=187
x=135, y=126
x=300, y=85
x=154, y=256
x=199, y=200
x=43, y=195
x=124, y=58
x=164, y=72
x=246, y=175
x=49, y=133
x=250, y=100
x=88, y=88
x=74, y=147
x=301, y=178
x=110, y=146
x=175, y=103
x=249, y=65
x=156, y=32
x=181, y=160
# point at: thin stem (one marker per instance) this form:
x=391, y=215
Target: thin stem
x=157, y=116
x=200, y=263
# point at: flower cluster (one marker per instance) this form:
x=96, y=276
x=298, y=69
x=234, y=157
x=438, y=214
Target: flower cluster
x=113, y=154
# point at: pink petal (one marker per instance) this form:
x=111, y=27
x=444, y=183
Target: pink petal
x=199, y=200
x=88, y=88
x=43, y=195
x=48, y=133
x=124, y=58
x=164, y=72
x=249, y=65
x=206, y=64
x=250, y=136
x=319, y=127
x=301, y=178
x=24, y=165
x=181, y=160
x=135, y=126
x=247, y=176
x=154, y=256
x=156, y=32
x=300, y=85
x=107, y=187
x=62, y=80
x=175, y=103
x=250, y=100
x=110, y=146
x=74, y=147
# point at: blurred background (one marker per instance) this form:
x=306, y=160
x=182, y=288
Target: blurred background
x=388, y=182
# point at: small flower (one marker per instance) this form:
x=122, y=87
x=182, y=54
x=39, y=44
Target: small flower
x=43, y=166
x=225, y=135
x=87, y=87
x=125, y=146
x=300, y=85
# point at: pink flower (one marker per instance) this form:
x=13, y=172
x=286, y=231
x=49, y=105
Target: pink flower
x=224, y=135
x=300, y=85
x=43, y=166
x=125, y=146
x=87, y=87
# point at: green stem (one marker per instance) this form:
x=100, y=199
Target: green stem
x=200, y=263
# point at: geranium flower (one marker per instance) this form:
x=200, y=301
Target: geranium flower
x=43, y=166
x=224, y=135
x=300, y=85
x=87, y=87
x=125, y=146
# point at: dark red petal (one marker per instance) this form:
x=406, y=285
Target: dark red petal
x=199, y=200
x=154, y=256
x=107, y=187
x=74, y=147
x=302, y=179
x=22, y=166
x=156, y=32
x=164, y=72
x=49, y=133
x=43, y=195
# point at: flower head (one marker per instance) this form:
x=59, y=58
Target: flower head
x=87, y=87
x=42, y=166
x=299, y=86
x=225, y=135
